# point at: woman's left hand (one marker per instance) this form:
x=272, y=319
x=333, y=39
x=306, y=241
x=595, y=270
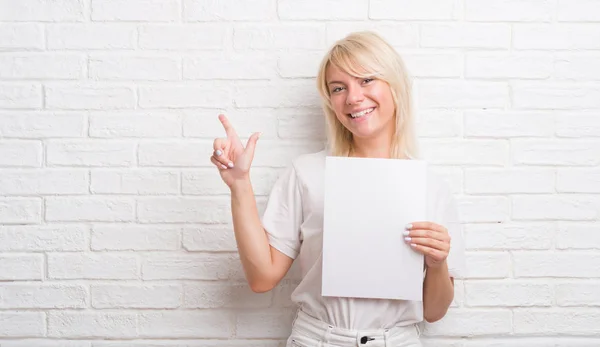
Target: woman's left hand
x=430, y=239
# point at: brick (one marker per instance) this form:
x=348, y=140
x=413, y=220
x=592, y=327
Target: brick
x=206, y=124
x=299, y=65
x=398, y=34
x=282, y=293
x=175, y=153
x=270, y=36
x=91, y=36
x=556, y=152
x=229, y=10
x=184, y=37
x=282, y=94
x=102, y=266
x=20, y=96
x=439, y=123
x=185, y=324
x=465, y=152
x=578, y=181
x=136, y=296
x=21, y=267
x=20, y=153
x=209, y=182
x=135, y=238
x=472, y=322
x=73, y=324
x=43, y=182
x=578, y=236
x=509, y=181
x=557, y=95
x=189, y=267
x=509, y=65
x=484, y=209
x=280, y=154
x=44, y=343
x=90, y=153
x=585, y=124
x=556, y=36
x=578, y=11
x=301, y=124
x=191, y=343
x=563, y=322
x=322, y=10
x=229, y=67
x=42, y=11
x=509, y=236
x=41, y=66
x=44, y=296
x=148, y=124
x=223, y=295
x=580, y=67
x=452, y=176
x=504, y=124
x=134, y=67
x=22, y=324
x=90, y=209
x=584, y=293
x=135, y=181
x=433, y=64
x=22, y=124
x=92, y=97
x=30, y=238
x=183, y=96
x=524, y=341
x=209, y=238
x=20, y=210
x=555, y=207
x=131, y=10
x=26, y=36
x=488, y=264
x=264, y=324
x=510, y=11
x=508, y=294
x=413, y=9
x=462, y=94
x=568, y=264
x=466, y=35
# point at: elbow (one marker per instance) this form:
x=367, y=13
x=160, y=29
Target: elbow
x=432, y=317
x=261, y=286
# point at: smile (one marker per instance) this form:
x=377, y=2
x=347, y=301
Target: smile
x=362, y=113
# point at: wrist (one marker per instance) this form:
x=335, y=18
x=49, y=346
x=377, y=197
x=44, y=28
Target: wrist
x=240, y=185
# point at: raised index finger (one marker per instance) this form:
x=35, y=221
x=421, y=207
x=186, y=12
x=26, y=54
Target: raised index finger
x=228, y=127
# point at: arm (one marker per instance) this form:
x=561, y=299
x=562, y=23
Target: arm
x=438, y=293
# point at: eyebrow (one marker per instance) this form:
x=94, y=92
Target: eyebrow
x=332, y=82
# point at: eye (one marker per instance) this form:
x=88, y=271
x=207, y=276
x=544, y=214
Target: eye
x=337, y=89
x=368, y=80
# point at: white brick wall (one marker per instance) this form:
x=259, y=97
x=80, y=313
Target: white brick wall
x=115, y=228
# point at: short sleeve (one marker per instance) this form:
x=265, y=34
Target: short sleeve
x=283, y=214
x=451, y=219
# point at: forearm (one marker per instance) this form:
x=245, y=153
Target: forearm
x=438, y=293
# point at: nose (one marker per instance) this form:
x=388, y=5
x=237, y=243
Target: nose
x=355, y=95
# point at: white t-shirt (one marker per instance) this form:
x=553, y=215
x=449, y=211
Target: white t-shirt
x=293, y=220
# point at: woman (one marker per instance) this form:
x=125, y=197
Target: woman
x=367, y=103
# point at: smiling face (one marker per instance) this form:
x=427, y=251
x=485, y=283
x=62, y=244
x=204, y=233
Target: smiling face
x=364, y=106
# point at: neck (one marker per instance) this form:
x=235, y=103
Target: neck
x=378, y=147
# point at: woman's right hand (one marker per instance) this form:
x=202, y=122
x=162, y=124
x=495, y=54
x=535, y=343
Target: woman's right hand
x=230, y=156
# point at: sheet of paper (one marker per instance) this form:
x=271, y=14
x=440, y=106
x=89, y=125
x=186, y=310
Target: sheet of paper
x=367, y=204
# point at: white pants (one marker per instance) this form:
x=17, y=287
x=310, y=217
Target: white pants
x=308, y=331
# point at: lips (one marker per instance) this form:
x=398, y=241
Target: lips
x=361, y=113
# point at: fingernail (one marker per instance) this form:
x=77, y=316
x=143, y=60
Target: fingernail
x=406, y=233
x=407, y=239
x=230, y=164
x=224, y=167
x=413, y=245
x=408, y=226
x=218, y=152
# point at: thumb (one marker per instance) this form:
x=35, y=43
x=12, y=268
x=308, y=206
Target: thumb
x=251, y=145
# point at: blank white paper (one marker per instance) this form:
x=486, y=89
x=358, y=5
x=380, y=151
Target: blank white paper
x=368, y=202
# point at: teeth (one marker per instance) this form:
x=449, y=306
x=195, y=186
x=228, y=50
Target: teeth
x=362, y=113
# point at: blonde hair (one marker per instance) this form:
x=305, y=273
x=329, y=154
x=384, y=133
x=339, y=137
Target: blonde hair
x=366, y=54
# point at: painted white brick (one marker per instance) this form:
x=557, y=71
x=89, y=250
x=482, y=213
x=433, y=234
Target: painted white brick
x=206, y=124
x=89, y=97
x=466, y=35
x=44, y=182
x=227, y=66
x=20, y=267
x=73, y=324
x=90, y=153
x=299, y=65
x=24, y=36
x=508, y=293
x=209, y=182
x=414, y=9
x=567, y=264
x=461, y=94
x=282, y=293
x=398, y=34
x=433, y=64
x=20, y=210
x=44, y=343
x=270, y=36
x=283, y=94
x=189, y=267
x=580, y=67
x=555, y=207
x=556, y=152
x=20, y=96
x=135, y=124
x=89, y=209
x=439, y=123
x=524, y=341
x=42, y=11
x=136, y=296
x=556, y=36
x=548, y=95
x=186, y=324
x=185, y=154
x=465, y=152
x=135, y=237
x=134, y=67
x=229, y=10
x=184, y=37
x=91, y=36
x=322, y=10
x=474, y=322
x=192, y=343
x=583, y=293
x=280, y=154
x=184, y=96
x=264, y=323
x=20, y=153
x=508, y=124
x=136, y=10
x=223, y=295
x=563, y=322
x=507, y=181
x=22, y=324
x=488, y=264
x=578, y=236
x=41, y=66
x=301, y=124
x=135, y=181
x=578, y=10
x=510, y=10
x=209, y=238
x=484, y=209
x=50, y=296
x=508, y=65
x=509, y=236
x=25, y=238
x=578, y=181
x=20, y=124
x=70, y=266
x=585, y=124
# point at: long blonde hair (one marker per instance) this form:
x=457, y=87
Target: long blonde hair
x=366, y=54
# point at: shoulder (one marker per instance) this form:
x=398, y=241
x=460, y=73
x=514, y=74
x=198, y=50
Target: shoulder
x=309, y=161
